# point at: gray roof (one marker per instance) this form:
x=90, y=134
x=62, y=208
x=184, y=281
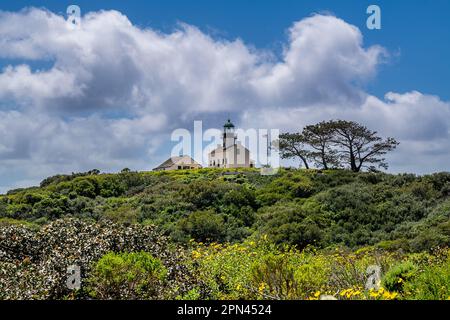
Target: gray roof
x=171, y=161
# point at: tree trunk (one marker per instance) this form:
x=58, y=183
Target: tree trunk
x=324, y=161
x=304, y=162
x=353, y=161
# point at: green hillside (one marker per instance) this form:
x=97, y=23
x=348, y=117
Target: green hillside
x=297, y=207
x=299, y=224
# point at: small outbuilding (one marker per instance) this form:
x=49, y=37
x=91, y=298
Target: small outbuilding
x=178, y=163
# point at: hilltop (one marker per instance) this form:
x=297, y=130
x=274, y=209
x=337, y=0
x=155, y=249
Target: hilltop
x=296, y=207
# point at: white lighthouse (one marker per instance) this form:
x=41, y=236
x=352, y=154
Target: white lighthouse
x=231, y=154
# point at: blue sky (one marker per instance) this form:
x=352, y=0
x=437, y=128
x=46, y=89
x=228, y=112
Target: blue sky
x=110, y=95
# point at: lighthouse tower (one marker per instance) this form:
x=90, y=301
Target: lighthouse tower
x=231, y=153
x=229, y=136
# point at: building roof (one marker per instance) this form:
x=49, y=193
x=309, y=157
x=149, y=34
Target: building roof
x=228, y=124
x=173, y=160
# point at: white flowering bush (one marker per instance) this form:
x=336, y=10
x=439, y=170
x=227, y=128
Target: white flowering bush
x=33, y=263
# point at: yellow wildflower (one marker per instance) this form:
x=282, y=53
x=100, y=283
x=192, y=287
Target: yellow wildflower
x=261, y=288
x=196, y=254
x=389, y=295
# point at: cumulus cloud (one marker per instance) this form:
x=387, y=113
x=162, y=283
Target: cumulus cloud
x=320, y=65
x=108, y=62
x=108, y=94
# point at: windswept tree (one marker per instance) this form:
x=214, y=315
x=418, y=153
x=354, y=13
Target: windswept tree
x=320, y=138
x=360, y=146
x=337, y=143
x=293, y=145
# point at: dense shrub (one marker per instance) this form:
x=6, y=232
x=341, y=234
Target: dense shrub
x=293, y=223
x=289, y=186
x=433, y=283
x=128, y=276
x=275, y=276
x=203, y=226
x=85, y=188
x=398, y=275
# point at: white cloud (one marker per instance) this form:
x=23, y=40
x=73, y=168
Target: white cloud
x=322, y=62
x=111, y=63
x=36, y=146
x=109, y=94
x=28, y=87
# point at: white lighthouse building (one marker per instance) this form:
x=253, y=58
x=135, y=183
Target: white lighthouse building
x=231, y=154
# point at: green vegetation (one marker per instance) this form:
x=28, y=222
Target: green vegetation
x=295, y=235
x=260, y=270
x=127, y=275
